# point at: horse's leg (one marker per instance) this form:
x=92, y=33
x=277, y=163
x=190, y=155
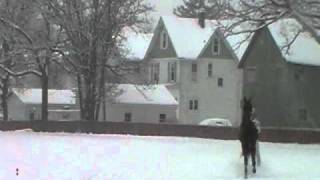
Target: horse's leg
x=253, y=158
x=245, y=156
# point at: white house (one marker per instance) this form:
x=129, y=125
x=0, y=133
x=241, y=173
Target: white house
x=138, y=103
x=199, y=67
x=25, y=104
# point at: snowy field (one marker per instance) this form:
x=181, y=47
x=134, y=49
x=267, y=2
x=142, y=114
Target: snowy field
x=119, y=157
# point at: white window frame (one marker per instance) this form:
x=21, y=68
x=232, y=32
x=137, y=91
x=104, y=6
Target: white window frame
x=172, y=71
x=155, y=72
x=193, y=104
x=216, y=42
x=164, y=40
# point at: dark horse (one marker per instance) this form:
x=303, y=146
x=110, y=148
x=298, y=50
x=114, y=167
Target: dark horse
x=248, y=135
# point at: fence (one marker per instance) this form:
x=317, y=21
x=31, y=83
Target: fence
x=225, y=133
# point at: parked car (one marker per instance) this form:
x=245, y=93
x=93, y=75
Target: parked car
x=215, y=122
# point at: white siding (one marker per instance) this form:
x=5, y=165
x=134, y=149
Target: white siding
x=16, y=109
x=163, y=74
x=214, y=101
x=140, y=113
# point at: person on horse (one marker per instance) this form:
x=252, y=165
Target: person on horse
x=248, y=135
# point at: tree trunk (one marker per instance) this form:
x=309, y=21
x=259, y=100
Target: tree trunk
x=4, y=96
x=102, y=92
x=44, y=86
x=80, y=97
x=104, y=110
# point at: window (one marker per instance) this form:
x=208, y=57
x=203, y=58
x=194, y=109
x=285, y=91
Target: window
x=210, y=70
x=164, y=40
x=220, y=82
x=215, y=46
x=194, y=70
x=155, y=72
x=127, y=117
x=251, y=74
x=303, y=114
x=193, y=104
x=172, y=68
x=162, y=117
x=65, y=115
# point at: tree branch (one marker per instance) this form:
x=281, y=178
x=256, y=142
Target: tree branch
x=22, y=73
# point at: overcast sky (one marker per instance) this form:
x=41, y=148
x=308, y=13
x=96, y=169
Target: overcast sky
x=164, y=7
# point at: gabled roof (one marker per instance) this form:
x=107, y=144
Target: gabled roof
x=189, y=39
x=34, y=96
x=140, y=94
x=238, y=43
x=187, y=36
x=305, y=49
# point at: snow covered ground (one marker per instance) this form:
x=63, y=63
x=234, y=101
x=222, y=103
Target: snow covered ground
x=119, y=157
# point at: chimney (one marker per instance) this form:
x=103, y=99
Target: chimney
x=202, y=18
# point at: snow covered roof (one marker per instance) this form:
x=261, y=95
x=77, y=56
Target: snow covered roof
x=140, y=94
x=34, y=96
x=305, y=49
x=136, y=44
x=189, y=39
x=187, y=36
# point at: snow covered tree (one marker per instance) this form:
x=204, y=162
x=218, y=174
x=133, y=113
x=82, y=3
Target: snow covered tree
x=34, y=38
x=92, y=32
x=191, y=8
x=260, y=13
x=14, y=15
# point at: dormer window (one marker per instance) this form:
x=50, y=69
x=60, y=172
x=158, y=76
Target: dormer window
x=164, y=40
x=215, y=45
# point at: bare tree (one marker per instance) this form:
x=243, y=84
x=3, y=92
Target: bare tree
x=257, y=14
x=92, y=33
x=34, y=38
x=14, y=15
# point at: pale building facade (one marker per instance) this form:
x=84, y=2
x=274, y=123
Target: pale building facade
x=141, y=104
x=25, y=105
x=199, y=67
